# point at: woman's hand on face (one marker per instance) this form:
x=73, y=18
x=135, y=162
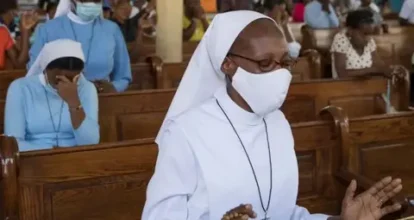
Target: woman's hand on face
x=28, y=20
x=368, y=205
x=104, y=86
x=242, y=212
x=68, y=90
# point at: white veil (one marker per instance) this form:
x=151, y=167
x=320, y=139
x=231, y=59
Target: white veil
x=54, y=50
x=203, y=75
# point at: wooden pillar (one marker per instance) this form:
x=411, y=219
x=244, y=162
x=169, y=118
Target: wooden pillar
x=170, y=30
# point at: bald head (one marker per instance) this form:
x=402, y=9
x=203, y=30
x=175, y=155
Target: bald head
x=256, y=48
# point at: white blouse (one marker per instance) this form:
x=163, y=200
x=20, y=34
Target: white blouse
x=202, y=171
x=354, y=61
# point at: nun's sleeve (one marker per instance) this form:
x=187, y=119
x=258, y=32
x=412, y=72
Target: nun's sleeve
x=15, y=118
x=39, y=42
x=88, y=132
x=121, y=77
x=174, y=179
x=300, y=213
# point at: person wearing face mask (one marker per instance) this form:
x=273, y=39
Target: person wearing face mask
x=107, y=61
x=54, y=105
x=225, y=142
x=9, y=51
x=354, y=52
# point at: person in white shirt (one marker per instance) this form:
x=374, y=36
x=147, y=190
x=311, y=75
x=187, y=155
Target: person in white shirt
x=407, y=13
x=225, y=142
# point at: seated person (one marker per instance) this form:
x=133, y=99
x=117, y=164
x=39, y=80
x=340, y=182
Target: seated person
x=8, y=48
x=407, y=13
x=195, y=22
x=56, y=106
x=354, y=51
x=320, y=14
x=276, y=9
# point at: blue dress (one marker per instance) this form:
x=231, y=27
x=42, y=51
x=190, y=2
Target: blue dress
x=29, y=119
x=102, y=42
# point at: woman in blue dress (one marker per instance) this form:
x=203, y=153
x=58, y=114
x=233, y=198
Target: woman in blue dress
x=107, y=61
x=54, y=105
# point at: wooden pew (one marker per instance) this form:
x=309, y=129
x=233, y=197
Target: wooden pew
x=154, y=74
x=105, y=181
x=122, y=120
x=308, y=67
x=373, y=147
x=150, y=50
x=143, y=76
x=108, y=181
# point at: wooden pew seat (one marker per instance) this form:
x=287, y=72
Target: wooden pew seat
x=108, y=181
x=308, y=67
x=121, y=120
x=377, y=146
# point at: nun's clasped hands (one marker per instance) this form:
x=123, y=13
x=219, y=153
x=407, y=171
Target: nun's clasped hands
x=242, y=212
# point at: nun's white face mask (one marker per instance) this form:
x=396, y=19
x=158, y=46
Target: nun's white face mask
x=264, y=92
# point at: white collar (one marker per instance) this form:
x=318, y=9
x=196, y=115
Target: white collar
x=73, y=17
x=234, y=111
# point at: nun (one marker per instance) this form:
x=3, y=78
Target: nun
x=225, y=142
x=107, y=61
x=54, y=105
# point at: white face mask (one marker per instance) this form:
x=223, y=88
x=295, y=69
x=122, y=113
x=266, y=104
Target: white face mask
x=265, y=92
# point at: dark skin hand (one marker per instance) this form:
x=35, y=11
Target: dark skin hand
x=67, y=89
x=268, y=48
x=241, y=212
x=19, y=57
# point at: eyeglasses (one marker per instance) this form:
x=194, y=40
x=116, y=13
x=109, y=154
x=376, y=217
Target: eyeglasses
x=268, y=65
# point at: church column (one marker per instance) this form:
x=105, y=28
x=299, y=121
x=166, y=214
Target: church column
x=170, y=30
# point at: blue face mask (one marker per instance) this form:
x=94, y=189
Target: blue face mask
x=88, y=11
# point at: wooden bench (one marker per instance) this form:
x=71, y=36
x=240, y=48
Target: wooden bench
x=108, y=181
x=373, y=147
x=308, y=67
x=150, y=50
x=139, y=114
x=143, y=76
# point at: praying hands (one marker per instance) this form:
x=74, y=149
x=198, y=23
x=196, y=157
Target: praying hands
x=242, y=212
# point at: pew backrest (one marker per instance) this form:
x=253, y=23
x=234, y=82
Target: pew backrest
x=139, y=114
x=108, y=181
x=93, y=182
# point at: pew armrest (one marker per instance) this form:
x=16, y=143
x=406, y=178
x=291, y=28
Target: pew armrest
x=364, y=183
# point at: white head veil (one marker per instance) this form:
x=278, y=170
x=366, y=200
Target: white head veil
x=54, y=50
x=203, y=75
x=63, y=8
